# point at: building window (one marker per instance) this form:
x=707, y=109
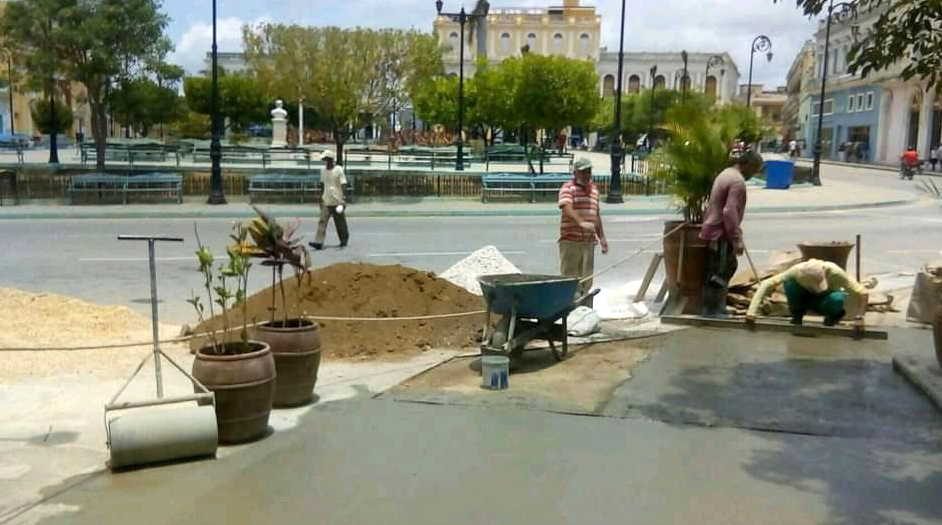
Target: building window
x=870, y=101
x=584, y=43
x=634, y=84
x=505, y=43
x=558, y=43
x=608, y=86
x=531, y=41
x=828, y=107
x=453, y=42
x=659, y=82
x=860, y=102
x=850, y=104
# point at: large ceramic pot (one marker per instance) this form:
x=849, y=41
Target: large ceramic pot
x=836, y=252
x=693, y=273
x=243, y=378
x=296, y=347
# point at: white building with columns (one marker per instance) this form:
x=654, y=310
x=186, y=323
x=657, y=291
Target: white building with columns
x=718, y=80
x=872, y=119
x=575, y=31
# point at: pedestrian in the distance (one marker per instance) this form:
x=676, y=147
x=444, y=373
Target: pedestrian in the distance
x=721, y=228
x=934, y=157
x=333, y=202
x=580, y=225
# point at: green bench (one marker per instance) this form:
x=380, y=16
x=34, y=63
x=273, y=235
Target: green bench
x=522, y=183
x=102, y=184
x=284, y=184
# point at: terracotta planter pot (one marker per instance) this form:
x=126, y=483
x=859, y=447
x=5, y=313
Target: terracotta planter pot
x=297, y=352
x=836, y=252
x=693, y=273
x=244, y=384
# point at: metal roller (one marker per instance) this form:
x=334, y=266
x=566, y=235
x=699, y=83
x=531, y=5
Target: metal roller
x=142, y=433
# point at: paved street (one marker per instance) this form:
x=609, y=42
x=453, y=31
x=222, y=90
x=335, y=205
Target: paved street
x=83, y=257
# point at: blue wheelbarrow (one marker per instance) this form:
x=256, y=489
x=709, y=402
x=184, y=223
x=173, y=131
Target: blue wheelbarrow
x=531, y=307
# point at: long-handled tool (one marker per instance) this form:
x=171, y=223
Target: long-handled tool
x=141, y=437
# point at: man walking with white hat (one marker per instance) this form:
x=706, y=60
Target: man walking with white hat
x=333, y=202
x=580, y=225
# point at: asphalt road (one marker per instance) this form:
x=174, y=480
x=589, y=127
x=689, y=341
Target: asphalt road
x=84, y=259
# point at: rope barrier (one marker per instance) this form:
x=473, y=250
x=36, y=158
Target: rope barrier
x=632, y=256
x=189, y=337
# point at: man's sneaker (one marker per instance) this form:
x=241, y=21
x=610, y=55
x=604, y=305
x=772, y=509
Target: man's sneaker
x=796, y=321
x=343, y=245
x=316, y=245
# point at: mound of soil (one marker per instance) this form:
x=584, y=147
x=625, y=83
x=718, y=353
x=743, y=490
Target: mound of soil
x=367, y=290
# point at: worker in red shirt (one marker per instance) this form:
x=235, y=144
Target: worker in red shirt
x=911, y=157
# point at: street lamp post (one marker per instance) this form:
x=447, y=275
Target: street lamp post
x=10, y=88
x=714, y=61
x=651, y=124
x=462, y=18
x=683, y=80
x=216, y=195
x=845, y=11
x=614, y=187
x=761, y=44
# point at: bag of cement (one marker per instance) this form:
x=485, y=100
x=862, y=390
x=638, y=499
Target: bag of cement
x=927, y=293
x=583, y=321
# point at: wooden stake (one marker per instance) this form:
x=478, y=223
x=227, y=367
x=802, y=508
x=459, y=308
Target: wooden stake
x=775, y=326
x=648, y=276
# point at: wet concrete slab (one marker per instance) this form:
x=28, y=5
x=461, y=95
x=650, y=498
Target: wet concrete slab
x=380, y=461
x=779, y=382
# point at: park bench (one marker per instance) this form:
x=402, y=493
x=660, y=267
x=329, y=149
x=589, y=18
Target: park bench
x=102, y=184
x=284, y=184
x=130, y=153
x=524, y=183
x=234, y=155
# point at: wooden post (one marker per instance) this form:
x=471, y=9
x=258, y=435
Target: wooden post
x=648, y=276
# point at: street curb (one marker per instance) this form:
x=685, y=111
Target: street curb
x=247, y=212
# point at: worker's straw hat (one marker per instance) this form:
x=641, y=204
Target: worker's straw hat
x=811, y=276
x=581, y=164
x=328, y=154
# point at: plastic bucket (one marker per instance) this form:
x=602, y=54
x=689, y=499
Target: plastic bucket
x=495, y=370
x=779, y=174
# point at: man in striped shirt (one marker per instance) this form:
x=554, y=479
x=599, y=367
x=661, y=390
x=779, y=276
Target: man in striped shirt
x=580, y=225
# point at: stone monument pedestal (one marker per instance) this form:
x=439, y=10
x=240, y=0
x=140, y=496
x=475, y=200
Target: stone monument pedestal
x=279, y=126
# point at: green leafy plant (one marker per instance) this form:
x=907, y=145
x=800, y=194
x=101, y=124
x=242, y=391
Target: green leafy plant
x=226, y=286
x=700, y=138
x=279, y=246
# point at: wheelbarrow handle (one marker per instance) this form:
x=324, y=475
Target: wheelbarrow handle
x=581, y=301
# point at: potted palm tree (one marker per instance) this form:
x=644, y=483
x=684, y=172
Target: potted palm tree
x=700, y=136
x=239, y=370
x=295, y=341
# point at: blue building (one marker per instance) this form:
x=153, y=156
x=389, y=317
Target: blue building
x=851, y=123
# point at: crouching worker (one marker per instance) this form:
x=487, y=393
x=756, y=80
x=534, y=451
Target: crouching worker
x=815, y=286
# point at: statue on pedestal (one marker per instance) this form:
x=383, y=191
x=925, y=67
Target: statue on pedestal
x=279, y=125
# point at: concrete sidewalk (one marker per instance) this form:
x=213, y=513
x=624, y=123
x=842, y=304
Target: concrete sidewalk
x=835, y=195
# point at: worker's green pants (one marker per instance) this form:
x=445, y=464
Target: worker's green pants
x=801, y=301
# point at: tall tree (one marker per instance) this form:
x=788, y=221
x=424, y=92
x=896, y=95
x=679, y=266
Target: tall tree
x=242, y=101
x=33, y=31
x=48, y=118
x=906, y=31
x=553, y=92
x=95, y=42
x=349, y=77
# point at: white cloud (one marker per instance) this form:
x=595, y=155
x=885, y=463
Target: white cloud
x=197, y=41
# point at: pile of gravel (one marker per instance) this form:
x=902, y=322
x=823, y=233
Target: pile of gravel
x=486, y=261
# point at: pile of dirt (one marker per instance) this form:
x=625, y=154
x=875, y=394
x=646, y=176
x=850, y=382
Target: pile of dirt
x=367, y=290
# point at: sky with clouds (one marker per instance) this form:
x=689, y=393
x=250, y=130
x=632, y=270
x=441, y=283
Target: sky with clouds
x=651, y=25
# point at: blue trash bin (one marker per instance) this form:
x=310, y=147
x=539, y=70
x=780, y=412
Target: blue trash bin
x=779, y=174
